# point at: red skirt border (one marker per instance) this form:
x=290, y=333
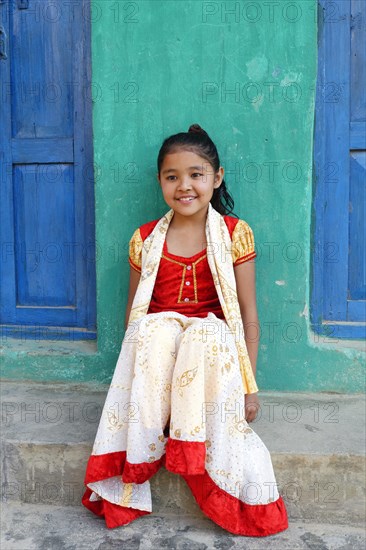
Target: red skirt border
x=186, y=459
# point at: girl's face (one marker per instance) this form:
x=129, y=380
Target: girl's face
x=188, y=182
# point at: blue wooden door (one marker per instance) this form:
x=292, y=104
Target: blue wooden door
x=339, y=296
x=47, y=204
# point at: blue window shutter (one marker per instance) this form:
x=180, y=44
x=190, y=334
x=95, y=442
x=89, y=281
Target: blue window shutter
x=47, y=197
x=339, y=286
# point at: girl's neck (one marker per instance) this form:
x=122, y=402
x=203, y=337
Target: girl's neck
x=188, y=223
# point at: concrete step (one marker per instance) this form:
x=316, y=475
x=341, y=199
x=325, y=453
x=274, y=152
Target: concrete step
x=42, y=527
x=316, y=443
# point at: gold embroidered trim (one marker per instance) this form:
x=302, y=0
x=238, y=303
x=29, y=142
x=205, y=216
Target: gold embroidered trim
x=182, y=285
x=195, y=278
x=135, y=249
x=135, y=267
x=126, y=495
x=246, y=258
x=171, y=260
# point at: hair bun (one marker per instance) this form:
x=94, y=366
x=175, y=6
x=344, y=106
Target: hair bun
x=196, y=129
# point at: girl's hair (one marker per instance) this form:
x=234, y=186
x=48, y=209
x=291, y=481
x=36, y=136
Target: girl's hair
x=197, y=141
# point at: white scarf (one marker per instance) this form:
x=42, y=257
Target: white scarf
x=219, y=258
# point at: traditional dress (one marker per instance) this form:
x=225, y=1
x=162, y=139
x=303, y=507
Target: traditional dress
x=184, y=356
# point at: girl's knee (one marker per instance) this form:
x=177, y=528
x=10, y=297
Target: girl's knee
x=159, y=323
x=208, y=329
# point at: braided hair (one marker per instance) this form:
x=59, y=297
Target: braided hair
x=198, y=141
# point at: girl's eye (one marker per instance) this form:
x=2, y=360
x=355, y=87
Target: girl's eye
x=197, y=175
x=170, y=178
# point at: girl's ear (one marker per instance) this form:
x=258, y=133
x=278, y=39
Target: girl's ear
x=219, y=176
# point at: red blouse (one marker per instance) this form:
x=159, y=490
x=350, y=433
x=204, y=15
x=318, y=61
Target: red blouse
x=185, y=285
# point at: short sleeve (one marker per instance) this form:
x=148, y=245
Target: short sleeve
x=135, y=251
x=243, y=245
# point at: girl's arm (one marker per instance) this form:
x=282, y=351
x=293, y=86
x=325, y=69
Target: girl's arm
x=134, y=281
x=245, y=285
x=246, y=290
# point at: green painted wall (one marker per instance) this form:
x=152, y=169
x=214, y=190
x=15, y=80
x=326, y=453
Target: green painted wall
x=249, y=79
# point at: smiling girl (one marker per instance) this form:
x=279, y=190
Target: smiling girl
x=184, y=391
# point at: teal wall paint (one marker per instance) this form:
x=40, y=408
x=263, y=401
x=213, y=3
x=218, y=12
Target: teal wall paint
x=159, y=66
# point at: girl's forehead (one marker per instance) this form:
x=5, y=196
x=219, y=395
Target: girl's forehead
x=183, y=158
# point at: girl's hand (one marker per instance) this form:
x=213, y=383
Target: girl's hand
x=251, y=406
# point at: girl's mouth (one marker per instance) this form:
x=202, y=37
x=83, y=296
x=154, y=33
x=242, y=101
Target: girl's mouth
x=186, y=199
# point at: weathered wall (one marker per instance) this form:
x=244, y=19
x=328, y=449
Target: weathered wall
x=248, y=77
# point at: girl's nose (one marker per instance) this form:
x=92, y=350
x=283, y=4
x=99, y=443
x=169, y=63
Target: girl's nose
x=184, y=183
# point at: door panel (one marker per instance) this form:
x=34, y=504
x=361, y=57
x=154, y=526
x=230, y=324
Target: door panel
x=357, y=241
x=47, y=194
x=45, y=274
x=339, y=279
x=42, y=71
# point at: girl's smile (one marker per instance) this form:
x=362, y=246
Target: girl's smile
x=186, y=199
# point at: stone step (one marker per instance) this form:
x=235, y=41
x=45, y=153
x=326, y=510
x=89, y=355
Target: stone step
x=42, y=527
x=316, y=443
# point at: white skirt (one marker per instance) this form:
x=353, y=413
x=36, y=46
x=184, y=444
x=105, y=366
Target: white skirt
x=181, y=373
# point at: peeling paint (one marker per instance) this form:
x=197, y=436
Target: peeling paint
x=257, y=68
x=305, y=312
x=289, y=78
